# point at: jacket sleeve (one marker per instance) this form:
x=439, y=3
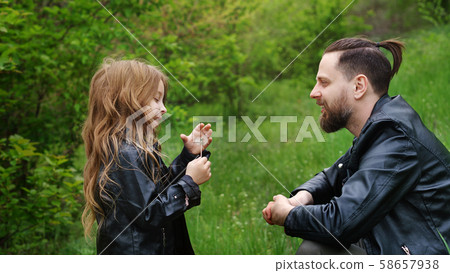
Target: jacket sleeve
x=140, y=199
x=387, y=171
x=326, y=184
x=179, y=164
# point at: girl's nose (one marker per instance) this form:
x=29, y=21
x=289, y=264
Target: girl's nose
x=163, y=109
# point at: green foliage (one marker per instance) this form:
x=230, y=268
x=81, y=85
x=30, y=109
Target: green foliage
x=200, y=44
x=217, y=50
x=50, y=50
x=388, y=18
x=434, y=11
x=39, y=201
x=280, y=30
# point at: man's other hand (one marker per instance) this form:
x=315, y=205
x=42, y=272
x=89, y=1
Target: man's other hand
x=280, y=209
x=267, y=214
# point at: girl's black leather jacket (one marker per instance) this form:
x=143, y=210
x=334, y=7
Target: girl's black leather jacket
x=147, y=217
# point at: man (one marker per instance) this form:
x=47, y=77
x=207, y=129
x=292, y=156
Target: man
x=390, y=192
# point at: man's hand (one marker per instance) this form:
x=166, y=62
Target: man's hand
x=302, y=198
x=199, y=139
x=280, y=209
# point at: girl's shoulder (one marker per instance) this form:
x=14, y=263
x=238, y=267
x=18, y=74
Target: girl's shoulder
x=128, y=151
x=132, y=155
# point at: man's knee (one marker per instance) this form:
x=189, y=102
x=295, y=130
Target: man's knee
x=308, y=247
x=315, y=248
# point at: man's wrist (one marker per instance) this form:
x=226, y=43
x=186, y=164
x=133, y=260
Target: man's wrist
x=302, y=198
x=286, y=213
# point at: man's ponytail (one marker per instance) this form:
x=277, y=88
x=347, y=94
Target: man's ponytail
x=395, y=47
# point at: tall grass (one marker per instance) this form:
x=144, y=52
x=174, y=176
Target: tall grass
x=424, y=79
x=229, y=219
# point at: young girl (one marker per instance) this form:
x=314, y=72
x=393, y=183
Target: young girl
x=138, y=202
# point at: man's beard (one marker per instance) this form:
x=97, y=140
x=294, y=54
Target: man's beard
x=335, y=117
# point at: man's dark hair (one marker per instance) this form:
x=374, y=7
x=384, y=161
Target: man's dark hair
x=362, y=56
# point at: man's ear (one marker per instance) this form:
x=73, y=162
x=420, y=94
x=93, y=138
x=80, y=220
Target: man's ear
x=361, y=84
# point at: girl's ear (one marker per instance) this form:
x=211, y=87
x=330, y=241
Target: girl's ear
x=361, y=84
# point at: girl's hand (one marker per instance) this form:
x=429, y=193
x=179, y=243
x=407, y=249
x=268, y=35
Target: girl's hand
x=199, y=139
x=199, y=169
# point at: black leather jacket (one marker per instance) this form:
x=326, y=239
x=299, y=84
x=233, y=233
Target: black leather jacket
x=148, y=218
x=391, y=188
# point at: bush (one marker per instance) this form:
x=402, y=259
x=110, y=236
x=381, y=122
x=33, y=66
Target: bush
x=39, y=200
x=434, y=11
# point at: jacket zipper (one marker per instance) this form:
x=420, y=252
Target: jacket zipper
x=406, y=250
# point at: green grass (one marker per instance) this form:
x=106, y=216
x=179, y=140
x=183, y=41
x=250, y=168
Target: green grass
x=443, y=240
x=424, y=79
x=229, y=219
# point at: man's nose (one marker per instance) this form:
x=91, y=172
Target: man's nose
x=315, y=93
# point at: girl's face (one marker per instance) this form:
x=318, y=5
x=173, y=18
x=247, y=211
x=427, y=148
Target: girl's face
x=157, y=105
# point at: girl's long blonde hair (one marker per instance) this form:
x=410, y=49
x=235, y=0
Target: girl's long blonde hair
x=118, y=90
